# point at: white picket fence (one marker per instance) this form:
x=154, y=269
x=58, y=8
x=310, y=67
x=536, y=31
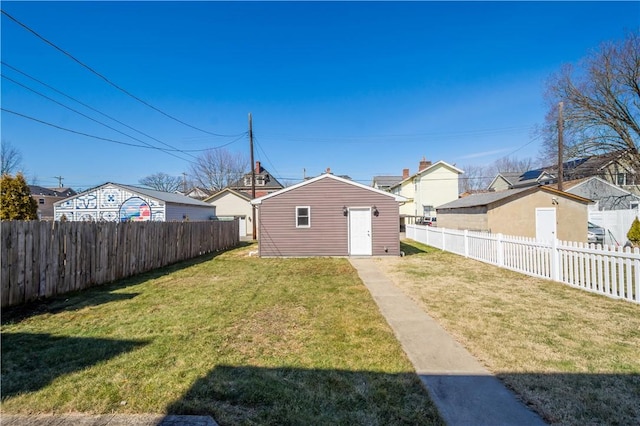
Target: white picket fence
x=607, y=270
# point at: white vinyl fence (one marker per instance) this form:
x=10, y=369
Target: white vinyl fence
x=611, y=271
x=615, y=222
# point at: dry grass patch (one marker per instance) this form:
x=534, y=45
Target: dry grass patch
x=574, y=356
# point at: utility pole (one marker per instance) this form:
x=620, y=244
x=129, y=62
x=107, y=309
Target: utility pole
x=560, y=146
x=253, y=178
x=60, y=178
x=184, y=183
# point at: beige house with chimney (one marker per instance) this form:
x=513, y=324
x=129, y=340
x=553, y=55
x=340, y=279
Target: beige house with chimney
x=432, y=185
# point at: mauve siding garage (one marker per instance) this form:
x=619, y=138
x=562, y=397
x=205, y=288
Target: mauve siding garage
x=328, y=216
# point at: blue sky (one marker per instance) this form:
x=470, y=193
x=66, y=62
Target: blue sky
x=365, y=88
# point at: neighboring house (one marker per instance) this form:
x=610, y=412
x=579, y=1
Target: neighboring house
x=432, y=186
x=328, y=216
x=232, y=204
x=537, y=212
x=606, y=196
x=615, y=168
x=199, y=193
x=511, y=180
x=384, y=183
x=45, y=197
x=116, y=202
x=265, y=183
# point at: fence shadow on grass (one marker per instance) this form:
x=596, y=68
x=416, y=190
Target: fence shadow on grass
x=32, y=361
x=254, y=395
x=412, y=249
x=98, y=295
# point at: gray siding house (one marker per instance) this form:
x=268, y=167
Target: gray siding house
x=329, y=216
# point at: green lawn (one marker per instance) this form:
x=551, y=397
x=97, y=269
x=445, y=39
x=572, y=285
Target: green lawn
x=243, y=339
x=572, y=355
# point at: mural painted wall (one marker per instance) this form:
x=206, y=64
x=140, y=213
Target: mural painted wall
x=110, y=203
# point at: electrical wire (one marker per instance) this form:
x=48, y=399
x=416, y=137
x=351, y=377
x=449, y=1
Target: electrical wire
x=108, y=81
x=99, y=122
x=92, y=108
x=85, y=134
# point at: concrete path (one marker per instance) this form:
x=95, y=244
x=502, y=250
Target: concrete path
x=106, y=420
x=462, y=389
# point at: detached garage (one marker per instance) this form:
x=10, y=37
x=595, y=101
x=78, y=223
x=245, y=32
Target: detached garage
x=329, y=216
x=539, y=212
x=124, y=203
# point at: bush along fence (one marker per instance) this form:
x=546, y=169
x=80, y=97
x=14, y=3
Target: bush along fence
x=44, y=259
x=610, y=271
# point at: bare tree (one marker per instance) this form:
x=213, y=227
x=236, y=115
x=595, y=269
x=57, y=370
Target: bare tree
x=601, y=103
x=512, y=164
x=11, y=159
x=477, y=178
x=162, y=182
x=474, y=178
x=216, y=169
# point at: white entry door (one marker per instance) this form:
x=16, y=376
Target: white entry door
x=545, y=224
x=360, y=232
x=243, y=226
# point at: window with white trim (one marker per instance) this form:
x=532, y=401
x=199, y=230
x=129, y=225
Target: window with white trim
x=303, y=217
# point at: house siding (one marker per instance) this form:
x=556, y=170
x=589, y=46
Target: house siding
x=328, y=234
x=180, y=212
x=471, y=218
x=517, y=216
x=229, y=204
x=104, y=204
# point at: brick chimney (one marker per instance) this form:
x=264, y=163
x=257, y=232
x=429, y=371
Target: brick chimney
x=405, y=174
x=258, y=167
x=423, y=164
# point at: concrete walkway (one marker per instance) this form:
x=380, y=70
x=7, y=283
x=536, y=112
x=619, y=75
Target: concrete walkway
x=462, y=389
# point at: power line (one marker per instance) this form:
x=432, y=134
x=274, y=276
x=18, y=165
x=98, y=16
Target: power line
x=385, y=137
x=93, y=119
x=85, y=105
x=69, y=55
x=168, y=151
x=266, y=156
x=85, y=134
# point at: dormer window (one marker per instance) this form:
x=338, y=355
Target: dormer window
x=260, y=180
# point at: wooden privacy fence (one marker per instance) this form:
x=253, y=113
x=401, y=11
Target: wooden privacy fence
x=43, y=259
x=611, y=271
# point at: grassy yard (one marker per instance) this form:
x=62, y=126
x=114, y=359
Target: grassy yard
x=571, y=355
x=246, y=340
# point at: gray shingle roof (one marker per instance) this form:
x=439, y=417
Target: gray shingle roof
x=482, y=199
x=168, y=197
x=387, y=181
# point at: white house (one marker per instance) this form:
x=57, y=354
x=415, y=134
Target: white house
x=433, y=185
x=232, y=204
x=117, y=202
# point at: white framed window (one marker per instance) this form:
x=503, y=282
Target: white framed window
x=303, y=217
